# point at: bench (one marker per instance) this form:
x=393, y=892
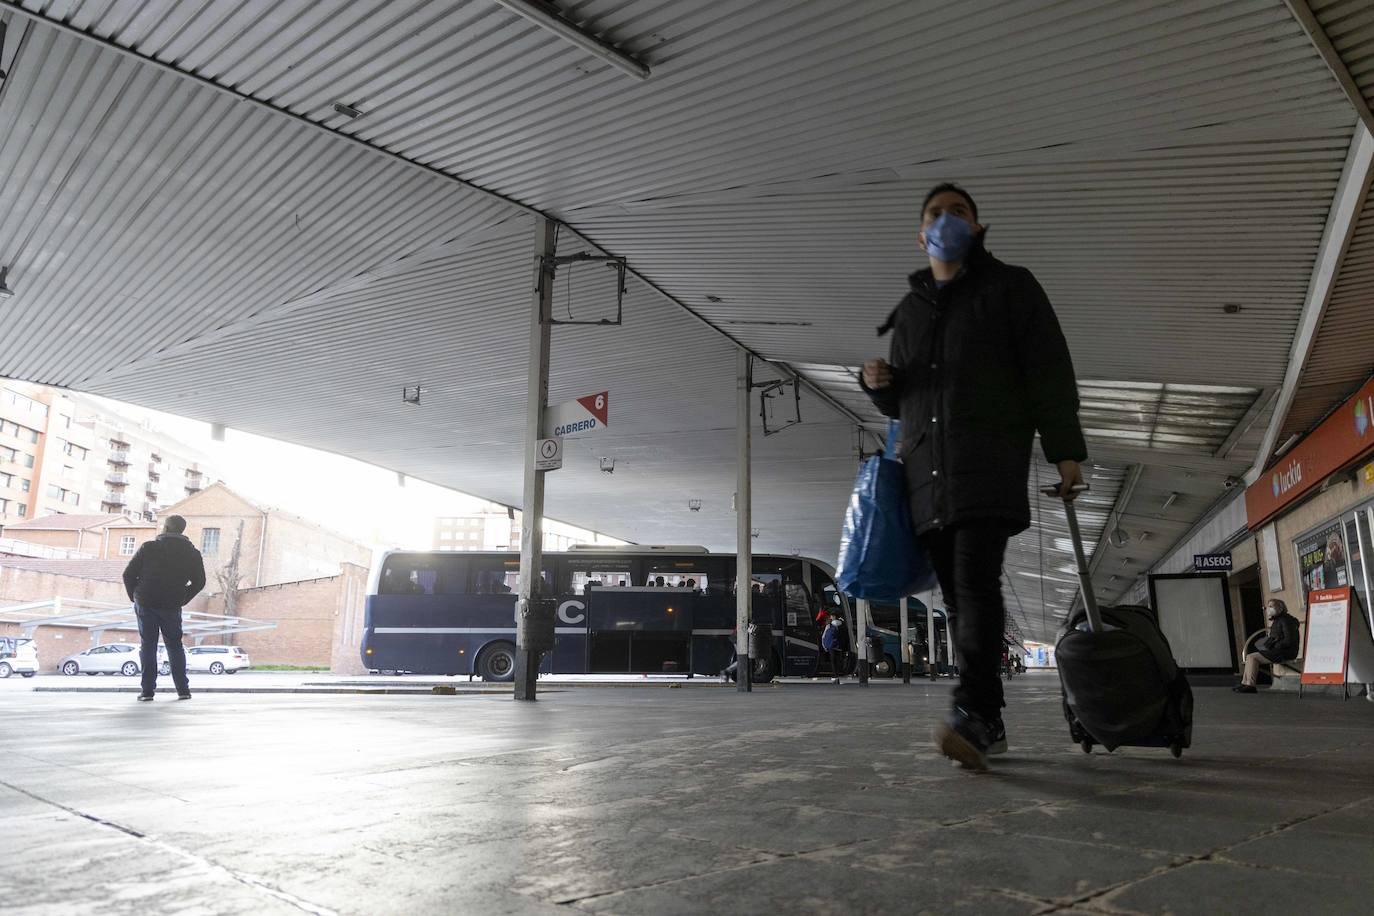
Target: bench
x=1277, y=670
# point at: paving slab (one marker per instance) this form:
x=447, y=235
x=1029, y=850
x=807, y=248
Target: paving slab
x=621, y=799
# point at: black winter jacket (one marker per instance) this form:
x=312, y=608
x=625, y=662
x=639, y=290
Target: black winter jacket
x=1281, y=643
x=978, y=367
x=166, y=573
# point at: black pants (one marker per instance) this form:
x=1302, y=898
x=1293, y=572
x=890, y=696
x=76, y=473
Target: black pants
x=968, y=562
x=167, y=622
x=836, y=662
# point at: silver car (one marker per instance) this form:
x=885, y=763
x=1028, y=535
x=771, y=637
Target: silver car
x=115, y=658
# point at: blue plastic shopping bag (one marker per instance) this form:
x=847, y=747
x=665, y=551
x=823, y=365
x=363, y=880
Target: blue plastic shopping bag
x=880, y=558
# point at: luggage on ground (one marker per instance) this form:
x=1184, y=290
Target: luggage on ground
x=1121, y=683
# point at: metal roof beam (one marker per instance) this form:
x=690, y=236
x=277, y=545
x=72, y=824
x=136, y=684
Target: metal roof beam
x=1257, y=407
x=1332, y=58
x=1341, y=221
x=547, y=17
x=1101, y=450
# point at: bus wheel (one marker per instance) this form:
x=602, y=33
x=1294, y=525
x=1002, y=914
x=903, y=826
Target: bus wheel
x=497, y=662
x=763, y=670
x=885, y=667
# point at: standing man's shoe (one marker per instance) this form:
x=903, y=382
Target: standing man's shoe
x=183, y=696
x=965, y=738
x=145, y=698
x=998, y=733
x=1246, y=688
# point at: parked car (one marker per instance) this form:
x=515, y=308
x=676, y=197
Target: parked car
x=115, y=658
x=18, y=655
x=217, y=659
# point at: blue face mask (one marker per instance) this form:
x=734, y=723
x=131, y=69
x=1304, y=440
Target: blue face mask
x=949, y=238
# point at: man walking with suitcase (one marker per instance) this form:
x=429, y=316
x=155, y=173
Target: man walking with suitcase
x=163, y=576
x=978, y=365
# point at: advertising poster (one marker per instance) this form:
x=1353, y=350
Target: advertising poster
x=1328, y=636
x=1321, y=560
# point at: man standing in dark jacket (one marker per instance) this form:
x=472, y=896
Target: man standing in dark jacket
x=161, y=579
x=1280, y=644
x=978, y=366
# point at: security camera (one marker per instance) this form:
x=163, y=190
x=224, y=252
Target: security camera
x=1230, y=483
x=608, y=465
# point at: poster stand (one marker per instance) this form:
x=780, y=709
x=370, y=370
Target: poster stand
x=1326, y=645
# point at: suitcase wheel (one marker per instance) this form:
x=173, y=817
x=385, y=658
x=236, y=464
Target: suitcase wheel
x=1176, y=750
x=1087, y=746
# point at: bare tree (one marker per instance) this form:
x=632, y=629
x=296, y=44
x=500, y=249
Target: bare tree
x=230, y=577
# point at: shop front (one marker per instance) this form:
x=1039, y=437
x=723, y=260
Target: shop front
x=1313, y=512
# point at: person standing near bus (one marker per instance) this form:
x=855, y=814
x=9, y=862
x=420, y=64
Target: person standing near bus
x=162, y=578
x=978, y=365
x=833, y=641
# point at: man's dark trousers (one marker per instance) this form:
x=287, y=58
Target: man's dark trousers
x=968, y=562
x=167, y=622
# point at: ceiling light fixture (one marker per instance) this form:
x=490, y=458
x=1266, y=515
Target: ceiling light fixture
x=548, y=17
x=1173, y=497
x=694, y=505
x=5, y=291
x=348, y=111
x=608, y=465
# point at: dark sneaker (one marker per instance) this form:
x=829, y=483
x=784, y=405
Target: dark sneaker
x=997, y=732
x=183, y=696
x=964, y=738
x=145, y=698
x=1245, y=688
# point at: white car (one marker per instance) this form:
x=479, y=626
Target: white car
x=18, y=655
x=217, y=659
x=115, y=658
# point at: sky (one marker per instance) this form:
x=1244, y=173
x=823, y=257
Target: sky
x=354, y=498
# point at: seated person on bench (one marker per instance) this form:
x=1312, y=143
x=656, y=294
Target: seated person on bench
x=1280, y=644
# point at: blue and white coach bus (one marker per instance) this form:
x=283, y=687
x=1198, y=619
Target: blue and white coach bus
x=621, y=610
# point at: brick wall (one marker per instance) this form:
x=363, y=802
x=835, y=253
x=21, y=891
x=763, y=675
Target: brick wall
x=58, y=538
x=348, y=623
x=297, y=549
x=110, y=547
x=307, y=615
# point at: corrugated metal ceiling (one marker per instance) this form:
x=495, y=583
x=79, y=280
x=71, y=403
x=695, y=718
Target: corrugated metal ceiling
x=184, y=249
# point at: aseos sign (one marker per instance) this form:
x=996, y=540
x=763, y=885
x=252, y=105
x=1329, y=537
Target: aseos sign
x=1344, y=437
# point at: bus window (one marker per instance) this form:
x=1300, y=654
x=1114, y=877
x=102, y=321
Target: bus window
x=418, y=574
x=495, y=575
x=596, y=577
x=679, y=575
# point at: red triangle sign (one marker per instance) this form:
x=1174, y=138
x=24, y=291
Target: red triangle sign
x=598, y=405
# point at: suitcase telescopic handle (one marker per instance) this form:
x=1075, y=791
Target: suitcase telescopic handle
x=1085, y=582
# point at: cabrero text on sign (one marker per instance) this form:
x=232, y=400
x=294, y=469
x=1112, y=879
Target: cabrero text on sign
x=589, y=414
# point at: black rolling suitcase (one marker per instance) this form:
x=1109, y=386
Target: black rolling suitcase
x=1121, y=683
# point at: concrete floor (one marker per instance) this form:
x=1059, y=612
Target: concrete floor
x=804, y=798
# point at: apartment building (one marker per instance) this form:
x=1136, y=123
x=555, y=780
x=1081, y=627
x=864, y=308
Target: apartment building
x=68, y=454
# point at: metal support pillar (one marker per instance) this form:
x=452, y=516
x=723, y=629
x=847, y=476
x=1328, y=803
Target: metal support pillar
x=861, y=647
x=904, y=647
x=529, y=643
x=744, y=521
x=930, y=636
